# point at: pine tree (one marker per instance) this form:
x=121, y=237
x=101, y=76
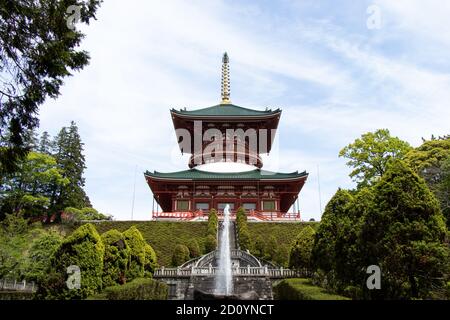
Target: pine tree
x=45, y=143
x=68, y=150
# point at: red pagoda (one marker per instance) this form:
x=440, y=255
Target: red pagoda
x=225, y=142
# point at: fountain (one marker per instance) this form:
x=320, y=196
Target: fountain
x=224, y=278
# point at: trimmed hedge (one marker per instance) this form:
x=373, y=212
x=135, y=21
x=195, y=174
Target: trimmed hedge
x=138, y=289
x=163, y=236
x=302, y=289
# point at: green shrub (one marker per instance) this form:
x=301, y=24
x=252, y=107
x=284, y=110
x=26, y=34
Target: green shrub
x=244, y=238
x=300, y=254
x=180, y=255
x=259, y=247
x=83, y=248
x=116, y=259
x=282, y=256
x=272, y=248
x=150, y=263
x=137, y=244
x=213, y=222
x=163, y=236
x=194, y=248
x=138, y=289
x=302, y=289
x=42, y=250
x=210, y=244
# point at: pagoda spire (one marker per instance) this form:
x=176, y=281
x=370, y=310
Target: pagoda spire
x=225, y=80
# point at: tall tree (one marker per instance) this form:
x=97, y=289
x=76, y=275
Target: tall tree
x=429, y=160
x=38, y=49
x=369, y=155
x=69, y=156
x=404, y=234
x=29, y=187
x=45, y=143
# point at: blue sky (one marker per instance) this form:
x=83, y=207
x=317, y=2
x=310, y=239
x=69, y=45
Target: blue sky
x=334, y=78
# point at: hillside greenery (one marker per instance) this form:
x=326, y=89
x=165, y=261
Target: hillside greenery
x=163, y=236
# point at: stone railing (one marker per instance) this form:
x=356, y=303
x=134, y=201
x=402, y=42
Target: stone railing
x=14, y=285
x=237, y=272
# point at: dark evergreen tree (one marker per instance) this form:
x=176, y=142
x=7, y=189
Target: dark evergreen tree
x=38, y=51
x=68, y=150
x=45, y=143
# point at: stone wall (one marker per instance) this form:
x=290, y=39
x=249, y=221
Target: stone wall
x=182, y=288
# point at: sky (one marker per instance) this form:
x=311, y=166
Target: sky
x=337, y=69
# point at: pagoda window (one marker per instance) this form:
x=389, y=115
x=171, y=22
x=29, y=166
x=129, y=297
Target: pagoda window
x=202, y=206
x=269, y=206
x=182, y=205
x=249, y=206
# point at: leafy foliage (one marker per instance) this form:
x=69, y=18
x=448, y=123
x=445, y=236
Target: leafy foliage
x=213, y=222
x=150, y=263
x=40, y=256
x=163, y=236
x=83, y=248
x=300, y=254
x=137, y=244
x=194, y=248
x=138, y=289
x=368, y=155
x=38, y=52
x=431, y=161
x=404, y=233
x=397, y=225
x=84, y=214
x=28, y=188
x=210, y=244
x=180, y=255
x=302, y=289
x=68, y=152
x=116, y=259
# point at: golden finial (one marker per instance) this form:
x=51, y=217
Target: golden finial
x=225, y=80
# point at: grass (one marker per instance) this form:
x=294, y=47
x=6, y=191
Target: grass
x=302, y=289
x=284, y=233
x=163, y=236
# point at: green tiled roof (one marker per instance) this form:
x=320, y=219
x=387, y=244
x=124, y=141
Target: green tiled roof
x=194, y=174
x=228, y=110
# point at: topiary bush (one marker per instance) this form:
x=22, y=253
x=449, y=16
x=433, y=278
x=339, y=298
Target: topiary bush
x=213, y=222
x=83, y=248
x=138, y=289
x=150, y=263
x=194, y=248
x=116, y=259
x=245, y=242
x=210, y=244
x=137, y=244
x=180, y=255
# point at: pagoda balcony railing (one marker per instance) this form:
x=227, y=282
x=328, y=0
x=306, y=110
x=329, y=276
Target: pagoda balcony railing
x=261, y=215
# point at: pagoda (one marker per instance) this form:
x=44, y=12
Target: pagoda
x=225, y=142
